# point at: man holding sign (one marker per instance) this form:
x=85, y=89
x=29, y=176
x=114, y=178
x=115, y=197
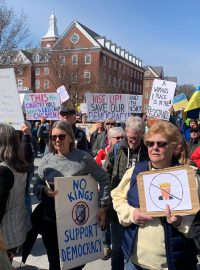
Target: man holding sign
x=63, y=161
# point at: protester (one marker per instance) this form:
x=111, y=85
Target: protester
x=34, y=132
x=115, y=134
x=194, y=141
x=64, y=160
x=14, y=218
x=195, y=157
x=154, y=243
x=102, y=140
x=69, y=115
x=182, y=153
x=99, y=129
x=43, y=135
x=5, y=263
x=130, y=151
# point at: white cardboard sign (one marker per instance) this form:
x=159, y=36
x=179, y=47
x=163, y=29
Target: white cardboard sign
x=161, y=99
x=10, y=106
x=117, y=106
x=79, y=235
x=37, y=105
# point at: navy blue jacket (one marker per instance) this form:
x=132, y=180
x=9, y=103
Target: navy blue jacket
x=180, y=251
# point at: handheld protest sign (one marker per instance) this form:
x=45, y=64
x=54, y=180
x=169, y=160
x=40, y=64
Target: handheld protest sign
x=10, y=106
x=175, y=186
x=37, y=105
x=160, y=100
x=79, y=235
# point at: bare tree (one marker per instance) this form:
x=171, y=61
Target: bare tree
x=13, y=29
x=187, y=89
x=64, y=72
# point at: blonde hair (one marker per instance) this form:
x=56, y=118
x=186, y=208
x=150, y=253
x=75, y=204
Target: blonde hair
x=167, y=129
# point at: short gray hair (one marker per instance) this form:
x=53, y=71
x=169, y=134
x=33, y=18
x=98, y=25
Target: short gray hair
x=118, y=131
x=136, y=123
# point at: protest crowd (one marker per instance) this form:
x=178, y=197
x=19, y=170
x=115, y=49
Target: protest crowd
x=115, y=153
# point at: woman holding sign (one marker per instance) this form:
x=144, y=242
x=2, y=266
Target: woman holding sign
x=154, y=243
x=64, y=160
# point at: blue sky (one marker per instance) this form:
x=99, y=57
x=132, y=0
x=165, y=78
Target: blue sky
x=161, y=33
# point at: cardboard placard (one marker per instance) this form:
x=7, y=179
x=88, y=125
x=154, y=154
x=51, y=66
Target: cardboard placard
x=175, y=186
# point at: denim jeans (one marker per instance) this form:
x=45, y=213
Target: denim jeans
x=117, y=257
x=130, y=266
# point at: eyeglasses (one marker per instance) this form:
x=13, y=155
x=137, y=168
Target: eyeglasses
x=112, y=124
x=61, y=137
x=118, y=138
x=160, y=144
x=194, y=130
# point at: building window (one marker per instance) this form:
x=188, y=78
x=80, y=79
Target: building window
x=20, y=84
x=87, y=77
x=146, y=95
x=46, y=71
x=46, y=84
x=88, y=59
x=115, y=65
x=135, y=74
x=37, y=71
x=110, y=62
x=104, y=60
x=37, y=84
x=127, y=85
x=131, y=72
x=131, y=85
x=146, y=84
x=37, y=58
x=119, y=67
x=62, y=60
x=74, y=59
x=20, y=71
x=127, y=71
x=74, y=78
x=124, y=68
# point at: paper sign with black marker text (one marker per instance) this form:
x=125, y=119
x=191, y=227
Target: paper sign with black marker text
x=161, y=99
x=117, y=106
x=10, y=106
x=79, y=235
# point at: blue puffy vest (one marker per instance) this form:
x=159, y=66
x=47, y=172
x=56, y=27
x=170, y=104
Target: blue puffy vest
x=180, y=251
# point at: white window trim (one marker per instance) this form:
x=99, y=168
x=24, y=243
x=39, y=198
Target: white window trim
x=74, y=78
x=74, y=57
x=90, y=58
x=37, y=71
x=37, y=84
x=46, y=84
x=87, y=76
x=46, y=71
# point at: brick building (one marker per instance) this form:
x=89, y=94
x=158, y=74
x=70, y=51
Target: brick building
x=151, y=73
x=80, y=59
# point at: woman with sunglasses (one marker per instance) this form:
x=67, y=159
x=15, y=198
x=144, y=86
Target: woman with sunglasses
x=64, y=160
x=154, y=243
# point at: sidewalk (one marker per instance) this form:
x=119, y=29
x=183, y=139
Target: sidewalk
x=37, y=259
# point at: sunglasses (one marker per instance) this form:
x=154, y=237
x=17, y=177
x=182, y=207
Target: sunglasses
x=112, y=124
x=118, y=138
x=160, y=144
x=194, y=130
x=61, y=137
